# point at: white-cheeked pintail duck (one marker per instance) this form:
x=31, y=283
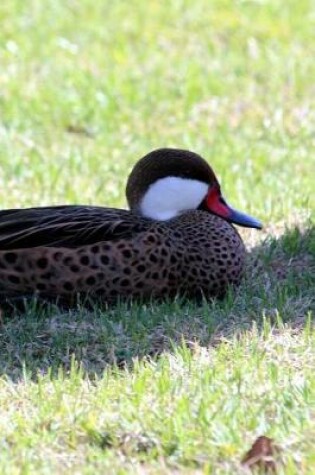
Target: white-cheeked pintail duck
x=177, y=238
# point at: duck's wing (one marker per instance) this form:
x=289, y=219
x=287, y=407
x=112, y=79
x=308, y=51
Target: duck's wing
x=67, y=226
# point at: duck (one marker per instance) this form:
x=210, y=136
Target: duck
x=176, y=238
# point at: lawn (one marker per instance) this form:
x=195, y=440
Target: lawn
x=86, y=88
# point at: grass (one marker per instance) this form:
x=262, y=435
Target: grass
x=173, y=414
x=85, y=89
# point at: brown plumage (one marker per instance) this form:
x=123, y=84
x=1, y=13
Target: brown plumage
x=104, y=253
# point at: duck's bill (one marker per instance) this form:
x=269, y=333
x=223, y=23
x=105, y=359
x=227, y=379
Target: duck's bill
x=217, y=205
x=242, y=219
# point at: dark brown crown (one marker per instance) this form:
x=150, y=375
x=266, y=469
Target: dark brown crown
x=165, y=162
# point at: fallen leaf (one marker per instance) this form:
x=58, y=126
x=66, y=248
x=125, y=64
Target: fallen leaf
x=261, y=455
x=80, y=130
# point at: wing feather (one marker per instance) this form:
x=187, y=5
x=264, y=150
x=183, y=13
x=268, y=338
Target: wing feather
x=67, y=226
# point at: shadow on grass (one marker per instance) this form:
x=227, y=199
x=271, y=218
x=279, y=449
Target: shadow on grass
x=279, y=284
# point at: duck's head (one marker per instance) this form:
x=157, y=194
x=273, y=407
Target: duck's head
x=167, y=182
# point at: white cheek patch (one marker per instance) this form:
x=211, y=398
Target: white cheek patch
x=171, y=196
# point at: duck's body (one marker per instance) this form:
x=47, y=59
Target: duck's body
x=113, y=253
x=60, y=252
